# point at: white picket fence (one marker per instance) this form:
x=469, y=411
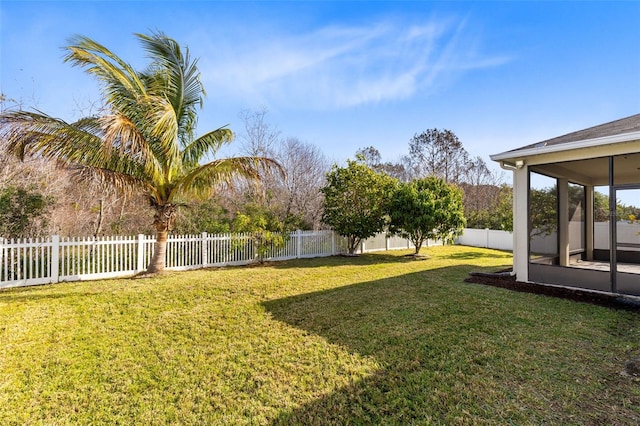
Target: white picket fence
x=54, y=259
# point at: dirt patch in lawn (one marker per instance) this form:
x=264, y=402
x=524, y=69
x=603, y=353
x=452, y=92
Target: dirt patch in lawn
x=503, y=279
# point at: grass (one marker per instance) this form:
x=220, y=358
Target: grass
x=378, y=339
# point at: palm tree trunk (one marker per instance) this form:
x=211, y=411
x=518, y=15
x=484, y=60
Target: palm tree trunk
x=163, y=220
x=157, y=262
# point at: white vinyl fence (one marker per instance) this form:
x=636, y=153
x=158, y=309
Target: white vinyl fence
x=54, y=259
x=487, y=238
x=382, y=242
x=627, y=234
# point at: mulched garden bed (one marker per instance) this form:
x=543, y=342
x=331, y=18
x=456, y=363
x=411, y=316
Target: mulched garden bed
x=502, y=279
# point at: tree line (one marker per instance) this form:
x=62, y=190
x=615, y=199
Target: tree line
x=137, y=166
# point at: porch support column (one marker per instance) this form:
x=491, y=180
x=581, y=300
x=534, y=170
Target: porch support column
x=613, y=228
x=589, y=222
x=521, y=223
x=563, y=221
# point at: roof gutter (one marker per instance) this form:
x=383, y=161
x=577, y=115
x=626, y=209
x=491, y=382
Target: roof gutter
x=546, y=149
x=512, y=166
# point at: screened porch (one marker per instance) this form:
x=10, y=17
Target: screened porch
x=577, y=208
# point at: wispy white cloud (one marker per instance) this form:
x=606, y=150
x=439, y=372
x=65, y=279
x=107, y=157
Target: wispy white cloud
x=339, y=67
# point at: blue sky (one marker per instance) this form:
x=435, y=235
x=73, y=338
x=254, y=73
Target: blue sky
x=346, y=75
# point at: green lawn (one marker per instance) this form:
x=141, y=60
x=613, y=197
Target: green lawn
x=378, y=339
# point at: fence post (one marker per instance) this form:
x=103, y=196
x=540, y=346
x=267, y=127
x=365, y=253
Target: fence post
x=333, y=242
x=55, y=259
x=3, y=271
x=298, y=244
x=362, y=247
x=487, y=229
x=141, y=253
x=205, y=253
x=386, y=242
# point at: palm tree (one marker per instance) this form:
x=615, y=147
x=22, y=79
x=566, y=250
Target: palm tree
x=145, y=139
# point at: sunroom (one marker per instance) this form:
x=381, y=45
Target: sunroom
x=576, y=205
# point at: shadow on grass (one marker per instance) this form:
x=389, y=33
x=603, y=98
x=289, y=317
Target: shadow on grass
x=425, y=329
x=470, y=255
x=456, y=353
x=34, y=292
x=393, y=256
x=365, y=259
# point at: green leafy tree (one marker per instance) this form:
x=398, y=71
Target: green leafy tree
x=22, y=212
x=543, y=211
x=146, y=137
x=625, y=212
x=356, y=201
x=203, y=216
x=600, y=207
x=427, y=208
x=499, y=216
x=267, y=231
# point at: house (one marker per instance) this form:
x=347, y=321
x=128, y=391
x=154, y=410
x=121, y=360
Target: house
x=568, y=227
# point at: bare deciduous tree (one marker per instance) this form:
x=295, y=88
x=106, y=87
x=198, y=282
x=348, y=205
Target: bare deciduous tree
x=259, y=138
x=481, y=186
x=294, y=197
x=305, y=167
x=372, y=158
x=369, y=156
x=437, y=153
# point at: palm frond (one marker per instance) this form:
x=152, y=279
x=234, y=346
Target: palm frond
x=178, y=79
x=122, y=134
x=183, y=76
x=120, y=81
x=146, y=138
x=30, y=133
x=162, y=121
x=80, y=143
x=105, y=178
x=201, y=180
x=210, y=142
